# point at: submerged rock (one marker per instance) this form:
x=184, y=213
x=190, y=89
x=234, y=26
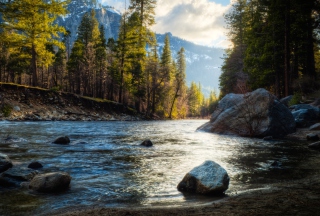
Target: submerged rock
x=35, y=165
x=5, y=163
x=256, y=114
x=62, y=140
x=147, y=143
x=50, y=182
x=209, y=178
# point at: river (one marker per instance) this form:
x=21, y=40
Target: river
x=109, y=168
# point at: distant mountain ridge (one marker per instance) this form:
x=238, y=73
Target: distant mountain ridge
x=203, y=63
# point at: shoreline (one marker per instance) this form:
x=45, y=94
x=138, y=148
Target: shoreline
x=298, y=197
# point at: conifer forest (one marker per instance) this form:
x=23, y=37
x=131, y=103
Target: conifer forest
x=275, y=46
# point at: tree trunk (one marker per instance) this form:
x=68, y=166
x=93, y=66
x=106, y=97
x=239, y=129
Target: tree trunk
x=287, y=48
x=34, y=66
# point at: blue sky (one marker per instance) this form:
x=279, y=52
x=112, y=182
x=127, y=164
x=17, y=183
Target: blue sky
x=199, y=21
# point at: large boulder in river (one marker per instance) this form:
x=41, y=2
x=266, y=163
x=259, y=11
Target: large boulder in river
x=5, y=163
x=62, y=140
x=209, y=178
x=255, y=114
x=50, y=182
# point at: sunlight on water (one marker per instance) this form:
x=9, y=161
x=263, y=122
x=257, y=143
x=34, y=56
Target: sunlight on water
x=109, y=168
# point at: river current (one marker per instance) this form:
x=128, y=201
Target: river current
x=110, y=169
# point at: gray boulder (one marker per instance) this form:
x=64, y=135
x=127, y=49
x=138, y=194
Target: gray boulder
x=50, y=182
x=209, y=178
x=5, y=163
x=62, y=140
x=255, y=114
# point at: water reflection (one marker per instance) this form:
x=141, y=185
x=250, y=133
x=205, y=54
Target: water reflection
x=109, y=168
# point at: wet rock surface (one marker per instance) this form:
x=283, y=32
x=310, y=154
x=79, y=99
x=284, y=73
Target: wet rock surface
x=50, y=182
x=209, y=179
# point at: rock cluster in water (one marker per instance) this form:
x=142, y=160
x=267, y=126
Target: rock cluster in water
x=255, y=114
x=209, y=179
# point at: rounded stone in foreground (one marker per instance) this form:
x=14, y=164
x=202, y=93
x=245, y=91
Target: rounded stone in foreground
x=5, y=163
x=50, y=182
x=62, y=140
x=209, y=179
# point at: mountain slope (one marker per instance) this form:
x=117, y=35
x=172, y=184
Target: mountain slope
x=203, y=63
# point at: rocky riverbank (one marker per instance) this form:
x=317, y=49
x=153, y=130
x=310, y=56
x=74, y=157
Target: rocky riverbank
x=22, y=103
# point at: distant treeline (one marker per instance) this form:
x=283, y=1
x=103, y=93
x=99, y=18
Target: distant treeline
x=33, y=52
x=275, y=46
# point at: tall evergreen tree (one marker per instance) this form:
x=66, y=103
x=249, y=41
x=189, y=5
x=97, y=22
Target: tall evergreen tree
x=30, y=24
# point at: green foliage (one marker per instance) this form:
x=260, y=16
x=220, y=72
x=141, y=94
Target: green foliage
x=273, y=44
x=296, y=98
x=55, y=89
x=6, y=110
x=29, y=24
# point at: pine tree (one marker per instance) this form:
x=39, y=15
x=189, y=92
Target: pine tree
x=30, y=24
x=180, y=76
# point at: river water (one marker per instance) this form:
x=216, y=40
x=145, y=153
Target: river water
x=110, y=169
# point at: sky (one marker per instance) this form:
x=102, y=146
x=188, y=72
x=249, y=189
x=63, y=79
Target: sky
x=198, y=21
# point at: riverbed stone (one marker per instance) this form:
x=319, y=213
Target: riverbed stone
x=62, y=140
x=209, y=179
x=50, y=182
x=35, y=165
x=312, y=137
x=147, y=143
x=5, y=163
x=255, y=114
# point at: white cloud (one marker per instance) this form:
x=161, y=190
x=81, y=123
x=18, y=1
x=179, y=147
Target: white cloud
x=199, y=21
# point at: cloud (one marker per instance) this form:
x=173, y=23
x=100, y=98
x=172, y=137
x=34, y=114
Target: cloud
x=199, y=21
